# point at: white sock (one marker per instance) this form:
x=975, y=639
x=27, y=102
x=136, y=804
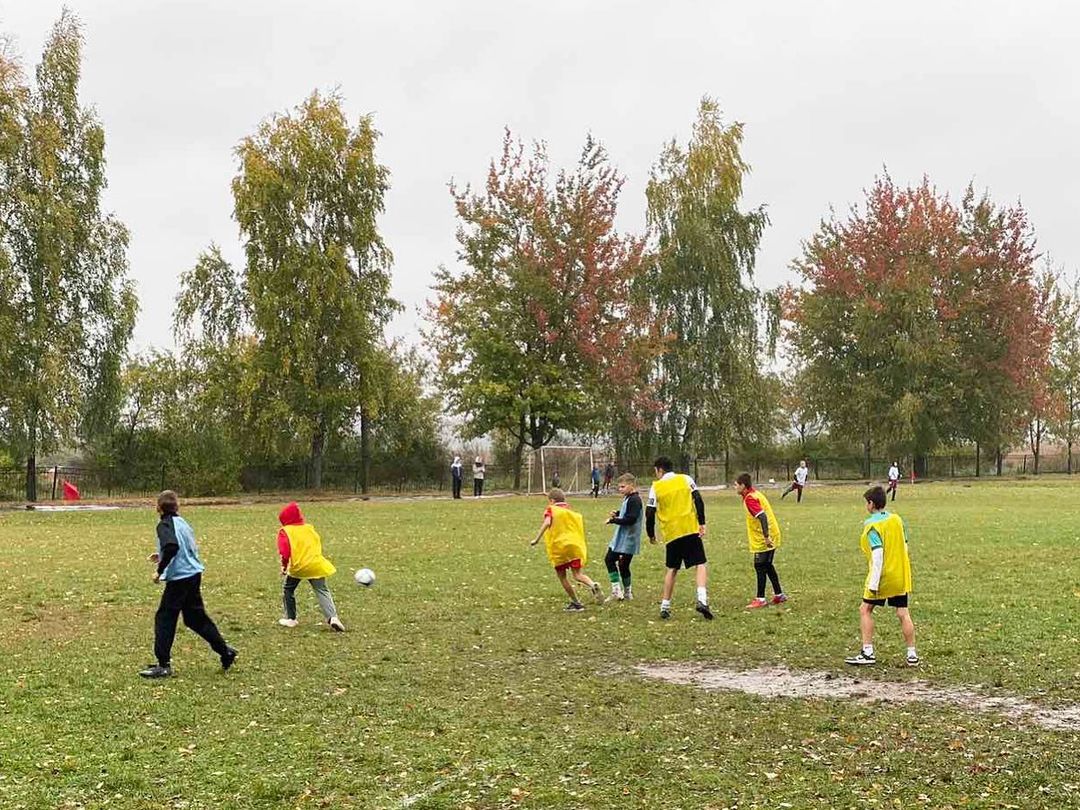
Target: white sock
x=665, y=604
x=868, y=649
x=911, y=652
x=702, y=596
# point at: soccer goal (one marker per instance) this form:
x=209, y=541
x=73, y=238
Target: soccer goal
x=568, y=467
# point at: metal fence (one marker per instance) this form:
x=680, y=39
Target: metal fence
x=104, y=482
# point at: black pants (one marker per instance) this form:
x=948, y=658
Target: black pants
x=596, y=489
x=795, y=487
x=618, y=564
x=182, y=597
x=457, y=487
x=892, y=488
x=477, y=487
x=763, y=567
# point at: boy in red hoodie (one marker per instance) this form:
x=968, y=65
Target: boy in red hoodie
x=300, y=548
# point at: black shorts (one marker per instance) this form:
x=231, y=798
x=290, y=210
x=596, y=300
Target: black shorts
x=893, y=601
x=685, y=551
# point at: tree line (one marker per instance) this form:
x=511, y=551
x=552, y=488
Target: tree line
x=916, y=321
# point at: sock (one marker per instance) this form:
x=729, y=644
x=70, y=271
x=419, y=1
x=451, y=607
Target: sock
x=665, y=604
x=702, y=596
x=911, y=652
x=868, y=649
x=613, y=576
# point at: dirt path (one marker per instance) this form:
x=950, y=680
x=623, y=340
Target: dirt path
x=780, y=682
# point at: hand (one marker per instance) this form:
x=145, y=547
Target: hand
x=284, y=570
x=154, y=557
x=769, y=543
x=157, y=577
x=701, y=531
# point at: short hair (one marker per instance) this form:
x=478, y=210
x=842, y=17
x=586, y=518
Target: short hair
x=627, y=478
x=745, y=480
x=168, y=503
x=876, y=496
x=663, y=463
x=556, y=494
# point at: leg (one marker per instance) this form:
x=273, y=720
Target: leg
x=611, y=562
x=624, y=570
x=583, y=578
x=565, y=582
x=165, y=623
x=701, y=574
x=798, y=495
x=907, y=626
x=786, y=492
x=197, y=619
x=288, y=596
x=774, y=577
x=866, y=624
x=761, y=566
x=669, y=584
x=326, y=601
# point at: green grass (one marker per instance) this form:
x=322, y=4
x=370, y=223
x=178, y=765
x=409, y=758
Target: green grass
x=460, y=679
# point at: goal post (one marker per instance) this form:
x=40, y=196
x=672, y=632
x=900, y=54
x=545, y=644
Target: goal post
x=567, y=466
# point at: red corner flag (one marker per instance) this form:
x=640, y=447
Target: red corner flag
x=71, y=492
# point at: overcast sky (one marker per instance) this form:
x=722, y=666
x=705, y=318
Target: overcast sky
x=830, y=93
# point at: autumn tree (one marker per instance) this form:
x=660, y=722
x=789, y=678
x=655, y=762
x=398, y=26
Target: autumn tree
x=537, y=330
x=1064, y=373
x=701, y=289
x=917, y=318
x=67, y=308
x=317, y=284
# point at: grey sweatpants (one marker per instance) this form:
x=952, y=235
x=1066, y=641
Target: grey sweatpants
x=322, y=593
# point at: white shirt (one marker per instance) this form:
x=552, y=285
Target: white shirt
x=652, y=490
x=894, y=473
x=800, y=474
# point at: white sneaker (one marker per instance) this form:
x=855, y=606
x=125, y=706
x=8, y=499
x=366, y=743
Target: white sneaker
x=288, y=622
x=335, y=622
x=628, y=594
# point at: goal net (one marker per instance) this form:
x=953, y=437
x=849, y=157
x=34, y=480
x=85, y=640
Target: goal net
x=568, y=467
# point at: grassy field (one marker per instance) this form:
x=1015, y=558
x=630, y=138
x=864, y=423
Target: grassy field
x=461, y=683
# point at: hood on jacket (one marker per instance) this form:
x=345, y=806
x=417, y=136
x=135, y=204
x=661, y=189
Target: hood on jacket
x=290, y=515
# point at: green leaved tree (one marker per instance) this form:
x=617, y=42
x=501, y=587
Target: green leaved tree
x=67, y=308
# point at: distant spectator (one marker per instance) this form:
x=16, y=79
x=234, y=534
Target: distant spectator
x=609, y=477
x=555, y=481
x=456, y=474
x=595, y=481
x=478, y=477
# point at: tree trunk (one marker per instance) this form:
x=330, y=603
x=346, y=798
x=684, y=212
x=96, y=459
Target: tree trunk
x=318, y=444
x=31, y=461
x=365, y=450
x=1068, y=461
x=978, y=458
x=866, y=457
x=519, y=452
x=999, y=461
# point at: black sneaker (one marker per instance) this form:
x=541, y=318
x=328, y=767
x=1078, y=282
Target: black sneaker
x=703, y=609
x=861, y=660
x=574, y=607
x=665, y=613
x=157, y=671
x=228, y=658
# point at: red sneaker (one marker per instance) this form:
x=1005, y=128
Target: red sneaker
x=779, y=599
x=757, y=603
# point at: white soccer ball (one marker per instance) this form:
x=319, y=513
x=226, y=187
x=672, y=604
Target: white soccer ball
x=365, y=577
x=772, y=480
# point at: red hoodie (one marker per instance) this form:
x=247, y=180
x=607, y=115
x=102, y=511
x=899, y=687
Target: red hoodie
x=289, y=516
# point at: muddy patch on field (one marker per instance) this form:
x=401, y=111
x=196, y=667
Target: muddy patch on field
x=780, y=682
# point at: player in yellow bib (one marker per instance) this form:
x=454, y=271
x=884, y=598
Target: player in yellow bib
x=763, y=533
x=563, y=532
x=888, y=580
x=674, y=502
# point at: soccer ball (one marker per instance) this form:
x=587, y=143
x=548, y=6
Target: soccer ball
x=772, y=480
x=365, y=577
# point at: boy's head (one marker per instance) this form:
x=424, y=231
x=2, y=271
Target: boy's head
x=290, y=515
x=875, y=499
x=556, y=495
x=662, y=465
x=802, y=463
x=744, y=483
x=627, y=483
x=168, y=503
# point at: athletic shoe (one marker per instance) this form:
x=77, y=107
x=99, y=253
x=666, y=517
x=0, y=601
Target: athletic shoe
x=574, y=607
x=754, y=604
x=913, y=660
x=614, y=597
x=665, y=613
x=156, y=671
x=703, y=609
x=628, y=594
x=861, y=660
x=288, y=622
x=597, y=593
x=228, y=658
x=335, y=622
x=779, y=599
